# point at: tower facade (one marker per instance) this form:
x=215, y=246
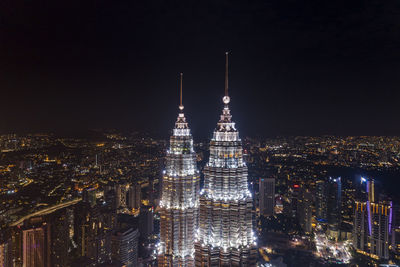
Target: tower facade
x=36, y=243
x=372, y=224
x=304, y=212
x=334, y=204
x=124, y=245
x=180, y=198
x=225, y=236
x=135, y=197
x=321, y=206
x=267, y=196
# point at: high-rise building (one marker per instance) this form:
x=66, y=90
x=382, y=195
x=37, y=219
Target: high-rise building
x=60, y=236
x=110, y=197
x=180, y=197
x=380, y=220
x=291, y=208
x=125, y=246
x=360, y=227
x=267, y=196
x=395, y=232
x=5, y=250
x=93, y=232
x=36, y=243
x=334, y=204
x=328, y=203
x=321, y=208
x=226, y=236
x=146, y=222
x=305, y=210
x=121, y=192
x=134, y=196
x=372, y=224
x=16, y=250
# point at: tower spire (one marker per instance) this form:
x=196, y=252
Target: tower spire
x=180, y=95
x=226, y=73
x=226, y=98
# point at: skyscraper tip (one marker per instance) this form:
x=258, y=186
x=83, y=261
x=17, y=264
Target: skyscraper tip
x=180, y=95
x=226, y=98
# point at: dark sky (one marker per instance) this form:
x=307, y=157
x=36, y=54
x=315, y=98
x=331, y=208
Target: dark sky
x=306, y=67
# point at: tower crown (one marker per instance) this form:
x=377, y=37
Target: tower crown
x=181, y=126
x=226, y=130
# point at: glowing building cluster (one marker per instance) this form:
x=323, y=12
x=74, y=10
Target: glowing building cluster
x=180, y=198
x=225, y=236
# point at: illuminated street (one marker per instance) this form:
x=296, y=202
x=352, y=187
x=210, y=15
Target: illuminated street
x=331, y=251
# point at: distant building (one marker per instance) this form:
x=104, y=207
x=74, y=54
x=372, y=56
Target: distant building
x=267, y=196
x=305, y=210
x=121, y=192
x=321, y=207
x=291, y=208
x=110, y=197
x=125, y=246
x=334, y=204
x=134, y=196
x=89, y=196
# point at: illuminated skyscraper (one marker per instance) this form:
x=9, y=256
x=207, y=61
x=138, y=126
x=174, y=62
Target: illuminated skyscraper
x=225, y=236
x=372, y=224
x=180, y=197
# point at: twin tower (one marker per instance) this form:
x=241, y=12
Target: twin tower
x=214, y=226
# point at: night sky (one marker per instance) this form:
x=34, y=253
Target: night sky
x=308, y=67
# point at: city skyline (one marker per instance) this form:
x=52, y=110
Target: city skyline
x=114, y=183
x=288, y=156
x=302, y=67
